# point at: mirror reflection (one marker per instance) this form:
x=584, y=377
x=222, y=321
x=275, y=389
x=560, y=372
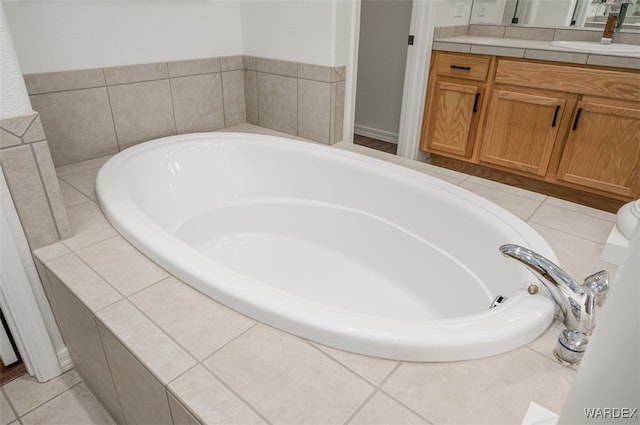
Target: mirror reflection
x=555, y=13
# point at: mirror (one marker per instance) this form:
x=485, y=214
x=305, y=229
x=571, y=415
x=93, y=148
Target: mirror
x=552, y=13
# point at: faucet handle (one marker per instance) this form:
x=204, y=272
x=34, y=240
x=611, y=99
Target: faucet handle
x=598, y=283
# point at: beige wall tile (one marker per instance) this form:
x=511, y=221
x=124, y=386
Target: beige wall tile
x=18, y=125
x=120, y=264
x=250, y=62
x=314, y=110
x=232, y=63
x=339, y=73
x=141, y=395
x=78, y=124
x=487, y=30
x=52, y=188
x=529, y=33
x=142, y=111
x=211, y=400
x=64, y=80
x=164, y=358
x=251, y=96
x=279, y=67
x=194, y=67
x=198, y=103
x=315, y=72
x=337, y=112
x=35, y=132
x=29, y=195
x=234, y=98
x=577, y=35
x=286, y=379
x=7, y=139
x=105, y=393
x=200, y=324
x=277, y=102
x=136, y=73
x=79, y=330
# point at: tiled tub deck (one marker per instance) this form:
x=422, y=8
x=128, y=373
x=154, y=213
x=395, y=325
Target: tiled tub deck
x=155, y=351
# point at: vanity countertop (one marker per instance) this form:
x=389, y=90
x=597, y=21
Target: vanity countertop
x=534, y=49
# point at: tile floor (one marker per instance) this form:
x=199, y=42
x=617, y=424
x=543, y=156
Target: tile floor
x=64, y=400
x=576, y=233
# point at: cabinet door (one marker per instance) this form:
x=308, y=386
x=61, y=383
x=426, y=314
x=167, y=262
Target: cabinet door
x=603, y=149
x=453, y=118
x=522, y=128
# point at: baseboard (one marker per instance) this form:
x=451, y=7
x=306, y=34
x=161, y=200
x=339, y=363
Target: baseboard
x=376, y=133
x=65, y=359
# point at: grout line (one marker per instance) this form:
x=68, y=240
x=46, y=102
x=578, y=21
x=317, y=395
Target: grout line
x=46, y=191
x=113, y=119
x=3, y=393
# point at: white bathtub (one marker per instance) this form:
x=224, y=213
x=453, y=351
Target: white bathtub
x=329, y=245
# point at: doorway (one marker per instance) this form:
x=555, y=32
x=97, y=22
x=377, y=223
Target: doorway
x=382, y=59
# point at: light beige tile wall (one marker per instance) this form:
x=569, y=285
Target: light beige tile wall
x=30, y=175
x=295, y=98
x=129, y=391
x=90, y=113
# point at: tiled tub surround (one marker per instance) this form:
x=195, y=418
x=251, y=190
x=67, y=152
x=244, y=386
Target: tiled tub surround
x=94, y=112
x=154, y=350
x=31, y=178
x=533, y=43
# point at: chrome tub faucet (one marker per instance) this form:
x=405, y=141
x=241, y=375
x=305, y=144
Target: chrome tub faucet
x=579, y=303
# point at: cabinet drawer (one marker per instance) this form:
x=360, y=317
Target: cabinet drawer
x=461, y=66
x=572, y=79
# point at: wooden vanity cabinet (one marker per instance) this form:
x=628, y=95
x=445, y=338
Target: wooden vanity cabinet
x=523, y=127
x=575, y=126
x=602, y=150
x=456, y=94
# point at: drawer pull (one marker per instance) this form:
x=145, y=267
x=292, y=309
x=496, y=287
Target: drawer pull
x=575, y=122
x=463, y=68
x=555, y=117
x=475, y=102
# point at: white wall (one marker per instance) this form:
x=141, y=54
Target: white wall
x=310, y=31
x=446, y=12
x=15, y=101
x=64, y=35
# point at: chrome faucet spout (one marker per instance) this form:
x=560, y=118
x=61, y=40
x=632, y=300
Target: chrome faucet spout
x=578, y=302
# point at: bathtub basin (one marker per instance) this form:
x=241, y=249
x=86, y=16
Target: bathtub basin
x=338, y=248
